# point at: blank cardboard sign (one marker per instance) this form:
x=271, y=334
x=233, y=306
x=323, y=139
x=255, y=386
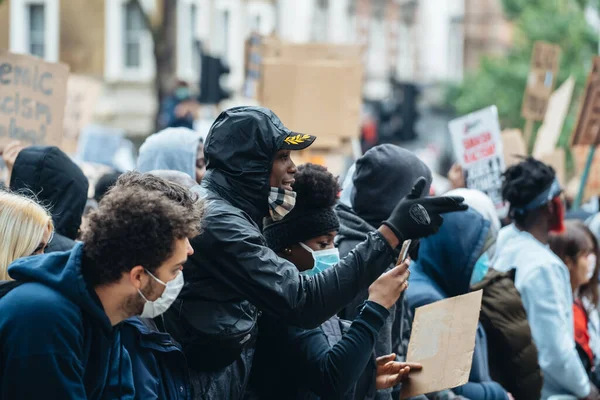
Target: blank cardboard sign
x=443, y=341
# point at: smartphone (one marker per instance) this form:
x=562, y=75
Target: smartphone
x=404, y=251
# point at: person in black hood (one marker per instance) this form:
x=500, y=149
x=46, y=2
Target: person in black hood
x=380, y=178
x=57, y=182
x=233, y=274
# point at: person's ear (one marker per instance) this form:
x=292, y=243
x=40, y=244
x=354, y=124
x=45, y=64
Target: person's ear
x=135, y=276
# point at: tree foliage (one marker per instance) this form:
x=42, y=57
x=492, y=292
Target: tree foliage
x=501, y=80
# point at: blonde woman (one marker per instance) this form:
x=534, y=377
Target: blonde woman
x=26, y=228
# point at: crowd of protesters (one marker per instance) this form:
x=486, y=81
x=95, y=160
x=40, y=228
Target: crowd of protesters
x=221, y=270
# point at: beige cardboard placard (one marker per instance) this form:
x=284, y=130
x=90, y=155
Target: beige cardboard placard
x=587, y=128
x=513, y=145
x=32, y=99
x=322, y=98
x=274, y=48
x=558, y=107
x=541, y=80
x=82, y=94
x=443, y=341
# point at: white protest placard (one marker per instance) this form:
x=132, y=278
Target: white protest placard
x=478, y=147
x=32, y=99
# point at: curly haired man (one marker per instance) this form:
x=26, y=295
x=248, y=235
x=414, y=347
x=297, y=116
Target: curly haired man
x=60, y=327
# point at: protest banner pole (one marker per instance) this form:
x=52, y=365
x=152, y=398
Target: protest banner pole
x=584, y=177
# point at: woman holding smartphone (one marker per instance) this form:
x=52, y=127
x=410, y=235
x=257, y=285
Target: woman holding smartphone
x=334, y=360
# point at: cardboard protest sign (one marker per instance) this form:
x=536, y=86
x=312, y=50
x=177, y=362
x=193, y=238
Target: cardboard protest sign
x=82, y=94
x=274, y=48
x=478, y=147
x=587, y=128
x=541, y=80
x=558, y=108
x=443, y=341
x=513, y=146
x=323, y=98
x=32, y=99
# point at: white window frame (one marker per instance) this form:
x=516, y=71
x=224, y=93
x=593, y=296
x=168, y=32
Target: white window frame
x=19, y=27
x=114, y=62
x=185, y=36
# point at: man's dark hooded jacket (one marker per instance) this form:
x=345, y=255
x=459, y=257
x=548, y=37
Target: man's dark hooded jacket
x=59, y=184
x=233, y=274
x=57, y=341
x=384, y=175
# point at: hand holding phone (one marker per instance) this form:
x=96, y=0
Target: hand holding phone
x=404, y=251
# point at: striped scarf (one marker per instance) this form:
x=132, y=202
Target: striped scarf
x=281, y=202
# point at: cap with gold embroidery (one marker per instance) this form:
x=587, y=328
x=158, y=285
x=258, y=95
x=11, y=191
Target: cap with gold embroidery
x=297, y=141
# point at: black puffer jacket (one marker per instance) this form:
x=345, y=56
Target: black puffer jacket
x=59, y=184
x=233, y=273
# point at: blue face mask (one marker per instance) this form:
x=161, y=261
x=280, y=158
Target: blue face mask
x=182, y=93
x=323, y=259
x=481, y=269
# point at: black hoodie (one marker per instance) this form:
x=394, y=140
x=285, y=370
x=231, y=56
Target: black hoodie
x=233, y=273
x=58, y=183
x=384, y=175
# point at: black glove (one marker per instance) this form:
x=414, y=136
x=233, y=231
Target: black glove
x=415, y=217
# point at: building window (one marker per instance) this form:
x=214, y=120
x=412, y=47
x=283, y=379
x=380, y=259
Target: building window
x=133, y=34
x=34, y=28
x=128, y=51
x=37, y=23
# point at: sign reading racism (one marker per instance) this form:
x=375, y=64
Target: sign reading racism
x=32, y=99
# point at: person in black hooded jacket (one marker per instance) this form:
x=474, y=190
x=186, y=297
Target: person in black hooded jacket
x=233, y=274
x=57, y=182
x=380, y=178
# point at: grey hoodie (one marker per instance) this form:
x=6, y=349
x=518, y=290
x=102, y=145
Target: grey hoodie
x=170, y=149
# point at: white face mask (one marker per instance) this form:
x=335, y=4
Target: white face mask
x=591, y=261
x=153, y=309
x=323, y=259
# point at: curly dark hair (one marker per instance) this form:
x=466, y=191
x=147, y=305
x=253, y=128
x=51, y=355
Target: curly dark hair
x=135, y=227
x=315, y=187
x=524, y=181
x=148, y=181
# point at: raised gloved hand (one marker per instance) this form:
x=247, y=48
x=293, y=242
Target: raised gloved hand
x=415, y=217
